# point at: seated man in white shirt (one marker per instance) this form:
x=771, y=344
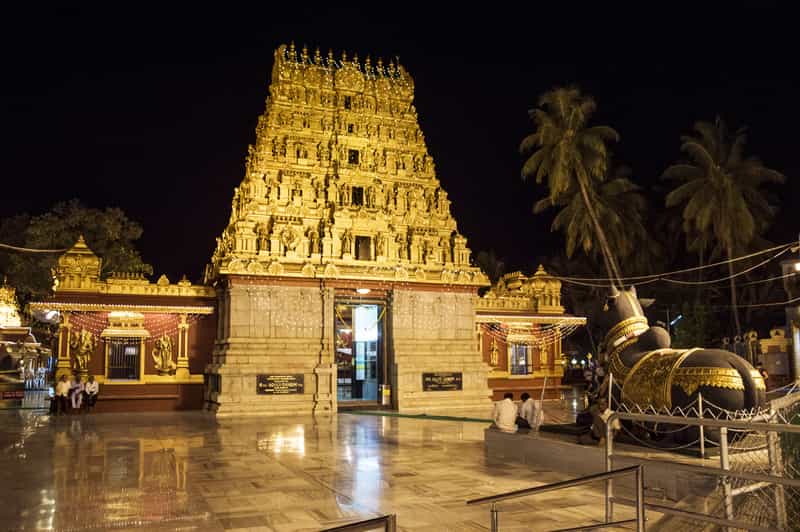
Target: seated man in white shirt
x=90, y=391
x=530, y=414
x=62, y=391
x=505, y=413
x=76, y=392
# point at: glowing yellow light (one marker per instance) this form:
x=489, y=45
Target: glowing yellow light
x=363, y=291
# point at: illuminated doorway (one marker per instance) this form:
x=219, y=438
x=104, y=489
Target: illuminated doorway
x=360, y=351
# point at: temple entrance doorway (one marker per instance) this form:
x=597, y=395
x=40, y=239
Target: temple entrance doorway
x=360, y=352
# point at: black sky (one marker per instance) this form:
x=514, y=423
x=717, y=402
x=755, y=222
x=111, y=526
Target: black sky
x=151, y=109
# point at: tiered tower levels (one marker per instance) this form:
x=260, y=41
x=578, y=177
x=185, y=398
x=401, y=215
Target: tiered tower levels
x=339, y=183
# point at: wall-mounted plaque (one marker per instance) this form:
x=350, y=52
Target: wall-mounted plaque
x=441, y=382
x=268, y=384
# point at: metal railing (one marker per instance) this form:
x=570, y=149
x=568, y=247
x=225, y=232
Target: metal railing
x=636, y=470
x=389, y=523
x=773, y=479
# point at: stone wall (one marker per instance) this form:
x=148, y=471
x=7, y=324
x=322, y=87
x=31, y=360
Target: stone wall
x=434, y=331
x=272, y=329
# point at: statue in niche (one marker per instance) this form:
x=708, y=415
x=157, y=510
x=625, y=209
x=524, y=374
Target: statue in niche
x=370, y=197
x=297, y=194
x=274, y=146
x=313, y=237
x=347, y=242
x=380, y=245
x=289, y=239
x=447, y=253
x=262, y=230
x=402, y=247
x=162, y=356
x=82, y=345
x=379, y=194
x=333, y=190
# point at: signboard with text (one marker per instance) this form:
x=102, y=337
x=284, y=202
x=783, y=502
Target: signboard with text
x=441, y=382
x=269, y=384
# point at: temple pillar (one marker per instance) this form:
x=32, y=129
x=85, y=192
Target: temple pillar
x=64, y=364
x=182, y=370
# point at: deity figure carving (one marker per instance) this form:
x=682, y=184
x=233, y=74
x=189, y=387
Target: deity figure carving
x=289, y=239
x=313, y=237
x=371, y=197
x=447, y=252
x=347, y=242
x=402, y=247
x=262, y=230
x=380, y=245
x=82, y=345
x=162, y=356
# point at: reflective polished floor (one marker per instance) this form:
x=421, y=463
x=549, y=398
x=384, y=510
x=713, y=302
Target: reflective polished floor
x=190, y=471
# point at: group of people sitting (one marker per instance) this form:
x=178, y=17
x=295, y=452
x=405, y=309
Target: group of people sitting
x=75, y=394
x=509, y=417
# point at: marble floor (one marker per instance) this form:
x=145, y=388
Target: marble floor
x=190, y=471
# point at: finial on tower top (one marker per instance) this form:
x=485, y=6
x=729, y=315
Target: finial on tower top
x=305, y=54
x=317, y=56
x=292, y=52
x=330, y=58
x=344, y=56
x=355, y=60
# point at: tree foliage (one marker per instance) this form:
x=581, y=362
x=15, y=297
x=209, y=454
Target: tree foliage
x=724, y=205
x=108, y=232
x=573, y=158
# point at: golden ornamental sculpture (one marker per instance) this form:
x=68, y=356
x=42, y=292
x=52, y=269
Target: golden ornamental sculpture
x=162, y=356
x=82, y=344
x=339, y=181
x=494, y=354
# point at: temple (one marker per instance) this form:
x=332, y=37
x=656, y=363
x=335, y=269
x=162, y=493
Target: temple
x=341, y=274
x=146, y=343
x=340, y=281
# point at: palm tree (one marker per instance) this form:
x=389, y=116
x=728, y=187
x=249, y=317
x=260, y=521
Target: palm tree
x=724, y=205
x=619, y=208
x=572, y=156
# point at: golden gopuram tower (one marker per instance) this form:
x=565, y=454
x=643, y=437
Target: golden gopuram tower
x=341, y=276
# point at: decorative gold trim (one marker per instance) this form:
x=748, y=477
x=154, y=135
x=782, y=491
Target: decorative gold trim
x=646, y=384
x=153, y=379
x=106, y=307
x=616, y=365
x=691, y=378
x=624, y=328
x=677, y=371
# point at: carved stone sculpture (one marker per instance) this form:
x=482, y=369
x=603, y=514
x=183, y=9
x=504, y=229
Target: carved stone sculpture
x=162, y=356
x=82, y=345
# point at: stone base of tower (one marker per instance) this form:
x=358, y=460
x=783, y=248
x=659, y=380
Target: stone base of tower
x=433, y=332
x=270, y=331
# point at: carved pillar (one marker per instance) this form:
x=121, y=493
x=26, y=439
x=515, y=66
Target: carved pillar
x=182, y=370
x=64, y=366
x=325, y=371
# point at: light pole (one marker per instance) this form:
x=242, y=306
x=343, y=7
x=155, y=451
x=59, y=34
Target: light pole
x=791, y=284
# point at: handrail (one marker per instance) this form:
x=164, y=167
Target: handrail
x=669, y=510
x=637, y=470
x=389, y=521
x=555, y=486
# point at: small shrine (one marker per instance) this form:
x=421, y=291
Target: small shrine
x=520, y=325
x=146, y=343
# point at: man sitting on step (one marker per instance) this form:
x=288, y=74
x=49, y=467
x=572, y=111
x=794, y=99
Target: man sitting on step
x=505, y=414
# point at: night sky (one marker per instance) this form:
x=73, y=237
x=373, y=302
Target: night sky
x=152, y=110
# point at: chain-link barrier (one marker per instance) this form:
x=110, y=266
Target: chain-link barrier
x=759, y=448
